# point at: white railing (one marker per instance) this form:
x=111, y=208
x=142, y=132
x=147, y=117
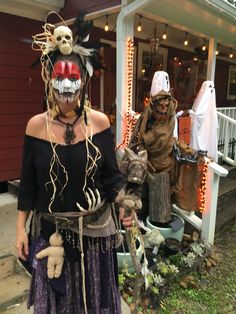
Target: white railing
x=228, y=111
x=231, y=3
x=227, y=134
x=206, y=224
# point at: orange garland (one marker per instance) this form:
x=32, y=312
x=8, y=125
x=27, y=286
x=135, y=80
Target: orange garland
x=130, y=118
x=203, y=187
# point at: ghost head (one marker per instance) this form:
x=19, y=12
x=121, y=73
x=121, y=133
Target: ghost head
x=64, y=39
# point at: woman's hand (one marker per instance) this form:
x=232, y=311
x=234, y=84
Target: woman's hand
x=128, y=221
x=22, y=245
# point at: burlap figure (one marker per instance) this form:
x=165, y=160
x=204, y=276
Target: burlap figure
x=168, y=180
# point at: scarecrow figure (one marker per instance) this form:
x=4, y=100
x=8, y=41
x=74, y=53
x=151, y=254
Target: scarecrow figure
x=154, y=132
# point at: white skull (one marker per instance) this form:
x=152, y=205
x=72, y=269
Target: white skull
x=64, y=39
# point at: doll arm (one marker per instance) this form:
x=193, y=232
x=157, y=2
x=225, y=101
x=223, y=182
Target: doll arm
x=43, y=253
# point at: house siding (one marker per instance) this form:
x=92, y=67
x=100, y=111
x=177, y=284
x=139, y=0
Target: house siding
x=21, y=90
x=73, y=7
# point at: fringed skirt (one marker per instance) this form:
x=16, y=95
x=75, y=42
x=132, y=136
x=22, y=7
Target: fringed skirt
x=64, y=295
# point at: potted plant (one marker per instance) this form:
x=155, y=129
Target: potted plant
x=123, y=255
x=172, y=229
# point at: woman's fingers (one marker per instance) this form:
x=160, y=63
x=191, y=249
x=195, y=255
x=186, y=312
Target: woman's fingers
x=22, y=246
x=21, y=252
x=127, y=220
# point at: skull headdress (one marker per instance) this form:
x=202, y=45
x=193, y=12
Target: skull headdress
x=63, y=39
x=66, y=41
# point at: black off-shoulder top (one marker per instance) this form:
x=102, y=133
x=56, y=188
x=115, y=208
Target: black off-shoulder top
x=36, y=189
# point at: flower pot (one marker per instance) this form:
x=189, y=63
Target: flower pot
x=123, y=255
x=168, y=230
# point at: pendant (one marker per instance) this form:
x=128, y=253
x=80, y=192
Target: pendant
x=69, y=134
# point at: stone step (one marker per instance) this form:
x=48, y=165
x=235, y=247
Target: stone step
x=7, y=200
x=14, y=283
x=8, y=214
x=13, y=186
x=18, y=308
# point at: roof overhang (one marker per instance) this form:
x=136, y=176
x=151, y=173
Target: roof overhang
x=36, y=9
x=210, y=19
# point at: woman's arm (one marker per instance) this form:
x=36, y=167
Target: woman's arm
x=22, y=245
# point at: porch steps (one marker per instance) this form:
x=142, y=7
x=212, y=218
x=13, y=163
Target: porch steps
x=8, y=203
x=226, y=211
x=14, y=284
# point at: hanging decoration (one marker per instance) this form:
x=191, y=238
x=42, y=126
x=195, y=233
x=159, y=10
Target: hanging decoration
x=154, y=41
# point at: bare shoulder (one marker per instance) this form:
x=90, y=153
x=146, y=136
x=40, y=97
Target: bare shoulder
x=36, y=125
x=99, y=120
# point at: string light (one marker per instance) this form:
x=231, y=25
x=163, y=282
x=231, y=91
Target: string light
x=217, y=50
x=139, y=28
x=231, y=55
x=186, y=39
x=203, y=186
x=106, y=27
x=164, y=36
x=131, y=117
x=204, y=45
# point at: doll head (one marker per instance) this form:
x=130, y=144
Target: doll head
x=56, y=239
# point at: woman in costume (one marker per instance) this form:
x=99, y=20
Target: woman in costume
x=69, y=180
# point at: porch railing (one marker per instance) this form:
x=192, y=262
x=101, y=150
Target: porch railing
x=227, y=134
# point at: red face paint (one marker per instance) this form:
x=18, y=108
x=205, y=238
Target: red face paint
x=66, y=69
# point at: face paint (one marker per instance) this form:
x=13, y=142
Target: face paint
x=66, y=81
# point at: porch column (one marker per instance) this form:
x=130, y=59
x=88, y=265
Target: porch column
x=124, y=31
x=211, y=63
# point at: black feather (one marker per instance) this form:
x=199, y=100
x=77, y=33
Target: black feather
x=81, y=28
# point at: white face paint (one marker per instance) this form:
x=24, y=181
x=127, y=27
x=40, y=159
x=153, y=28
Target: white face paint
x=66, y=81
x=66, y=85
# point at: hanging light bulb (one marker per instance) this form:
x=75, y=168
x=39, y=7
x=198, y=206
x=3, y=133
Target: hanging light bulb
x=231, y=55
x=139, y=28
x=106, y=27
x=217, y=50
x=204, y=45
x=164, y=36
x=186, y=39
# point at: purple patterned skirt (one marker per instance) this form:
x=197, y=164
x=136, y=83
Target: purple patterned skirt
x=64, y=295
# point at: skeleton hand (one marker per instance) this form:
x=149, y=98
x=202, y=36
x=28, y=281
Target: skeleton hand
x=93, y=199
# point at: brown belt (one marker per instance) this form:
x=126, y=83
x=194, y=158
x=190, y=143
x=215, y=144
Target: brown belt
x=69, y=220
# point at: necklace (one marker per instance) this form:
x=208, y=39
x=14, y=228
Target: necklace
x=69, y=134
x=68, y=114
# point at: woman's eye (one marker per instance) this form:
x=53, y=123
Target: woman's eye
x=73, y=79
x=59, y=78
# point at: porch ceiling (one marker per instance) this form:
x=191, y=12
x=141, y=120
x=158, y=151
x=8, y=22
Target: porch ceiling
x=33, y=9
x=198, y=17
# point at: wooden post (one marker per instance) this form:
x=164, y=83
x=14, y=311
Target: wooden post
x=159, y=198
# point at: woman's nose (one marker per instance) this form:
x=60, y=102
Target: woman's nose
x=67, y=83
